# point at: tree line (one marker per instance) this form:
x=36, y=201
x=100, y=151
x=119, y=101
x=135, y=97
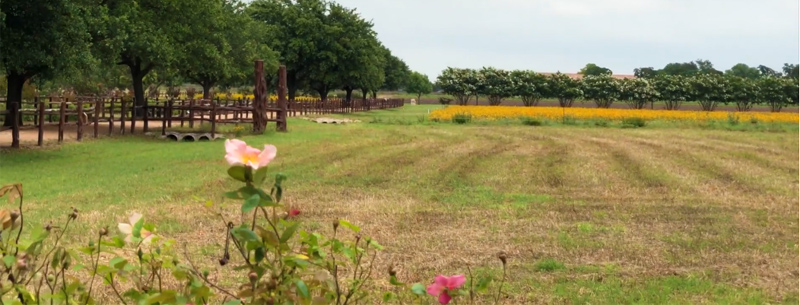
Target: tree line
x=597, y=84
x=91, y=46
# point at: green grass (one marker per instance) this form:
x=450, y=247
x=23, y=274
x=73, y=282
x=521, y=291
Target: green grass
x=664, y=213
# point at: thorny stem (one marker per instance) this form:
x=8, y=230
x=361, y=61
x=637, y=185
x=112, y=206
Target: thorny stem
x=274, y=229
x=335, y=273
x=58, y=239
x=64, y=281
x=114, y=287
x=369, y=272
x=471, y=282
x=21, y=217
x=500, y=288
x=200, y=275
x=94, y=272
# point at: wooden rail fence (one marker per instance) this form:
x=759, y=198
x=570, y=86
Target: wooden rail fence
x=91, y=111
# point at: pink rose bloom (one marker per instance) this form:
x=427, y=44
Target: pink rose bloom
x=294, y=212
x=442, y=284
x=239, y=153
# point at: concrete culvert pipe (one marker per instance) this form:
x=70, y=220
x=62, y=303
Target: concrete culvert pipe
x=188, y=138
x=172, y=137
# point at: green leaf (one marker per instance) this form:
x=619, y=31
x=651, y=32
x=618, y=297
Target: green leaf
x=483, y=283
x=349, y=225
x=260, y=254
x=393, y=280
x=232, y=195
x=118, y=262
x=9, y=260
x=375, y=244
x=238, y=172
x=233, y=302
x=388, y=296
x=251, y=203
x=137, y=228
x=260, y=175
x=418, y=289
x=209, y=203
x=245, y=234
x=289, y=232
x=301, y=286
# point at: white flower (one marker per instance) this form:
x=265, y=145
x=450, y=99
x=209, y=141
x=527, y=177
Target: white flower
x=127, y=229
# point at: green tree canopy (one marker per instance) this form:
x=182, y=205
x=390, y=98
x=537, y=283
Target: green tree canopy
x=419, y=84
x=529, y=86
x=564, y=88
x=743, y=70
x=593, y=69
x=41, y=38
x=638, y=92
x=603, y=89
x=495, y=84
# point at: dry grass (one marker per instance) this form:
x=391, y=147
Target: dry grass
x=586, y=215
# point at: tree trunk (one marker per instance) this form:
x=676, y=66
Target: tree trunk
x=364, y=93
x=349, y=96
x=323, y=93
x=15, y=82
x=138, y=89
x=419, y=98
x=374, y=94
x=206, y=89
x=291, y=85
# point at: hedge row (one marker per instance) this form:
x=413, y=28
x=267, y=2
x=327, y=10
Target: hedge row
x=708, y=89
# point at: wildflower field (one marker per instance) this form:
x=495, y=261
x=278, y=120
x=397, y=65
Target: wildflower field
x=558, y=113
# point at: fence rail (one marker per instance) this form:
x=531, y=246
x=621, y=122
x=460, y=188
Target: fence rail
x=91, y=111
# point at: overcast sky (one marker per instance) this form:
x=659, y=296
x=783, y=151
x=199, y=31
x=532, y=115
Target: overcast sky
x=564, y=35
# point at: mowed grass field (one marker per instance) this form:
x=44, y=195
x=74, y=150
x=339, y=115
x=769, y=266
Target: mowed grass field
x=587, y=215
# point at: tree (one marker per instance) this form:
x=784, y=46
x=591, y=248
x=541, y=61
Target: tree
x=38, y=38
x=603, y=89
x=460, y=83
x=153, y=34
x=705, y=67
x=358, y=52
x=682, y=69
x=765, y=71
x=528, y=85
x=593, y=69
x=791, y=70
x=673, y=89
x=776, y=92
x=495, y=84
x=709, y=90
x=227, y=44
x=564, y=88
x=744, y=92
x=297, y=31
x=646, y=72
x=638, y=92
x=743, y=70
x=396, y=72
x=419, y=84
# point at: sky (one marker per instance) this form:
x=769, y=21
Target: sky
x=565, y=35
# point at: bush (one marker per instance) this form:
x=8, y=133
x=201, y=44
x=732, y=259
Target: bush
x=530, y=121
x=634, y=122
x=462, y=118
x=445, y=100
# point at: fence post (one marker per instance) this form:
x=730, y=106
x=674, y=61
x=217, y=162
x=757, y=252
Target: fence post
x=145, y=117
x=111, y=115
x=133, y=116
x=98, y=104
x=40, y=140
x=191, y=113
x=282, y=103
x=79, y=120
x=213, y=117
x=61, y=118
x=122, y=114
x=15, y=117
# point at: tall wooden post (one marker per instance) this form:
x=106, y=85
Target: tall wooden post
x=61, y=120
x=79, y=121
x=282, y=102
x=14, y=124
x=122, y=115
x=98, y=104
x=41, y=123
x=260, y=99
